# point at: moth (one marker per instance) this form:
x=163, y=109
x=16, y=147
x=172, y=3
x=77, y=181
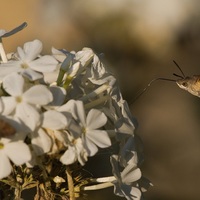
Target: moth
x=6, y=129
x=190, y=84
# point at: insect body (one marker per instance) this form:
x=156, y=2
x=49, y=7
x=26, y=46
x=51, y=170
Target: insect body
x=190, y=84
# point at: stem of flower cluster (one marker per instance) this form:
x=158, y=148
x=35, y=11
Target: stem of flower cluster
x=96, y=92
x=2, y=53
x=98, y=186
x=70, y=184
x=97, y=102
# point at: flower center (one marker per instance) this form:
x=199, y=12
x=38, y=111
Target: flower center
x=84, y=130
x=1, y=145
x=24, y=65
x=18, y=99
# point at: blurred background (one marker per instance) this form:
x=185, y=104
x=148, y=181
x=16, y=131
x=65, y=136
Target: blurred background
x=139, y=39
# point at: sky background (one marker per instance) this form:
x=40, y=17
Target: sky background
x=139, y=39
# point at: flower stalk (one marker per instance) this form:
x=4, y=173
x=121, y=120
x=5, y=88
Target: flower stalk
x=70, y=184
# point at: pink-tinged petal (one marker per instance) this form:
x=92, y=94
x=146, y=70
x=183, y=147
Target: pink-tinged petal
x=44, y=64
x=54, y=120
x=69, y=156
x=13, y=84
x=95, y=119
x=28, y=114
x=41, y=142
x=8, y=105
x=5, y=166
x=99, y=137
x=32, y=49
x=23, y=152
x=38, y=95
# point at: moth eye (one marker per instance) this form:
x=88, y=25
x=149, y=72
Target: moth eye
x=185, y=84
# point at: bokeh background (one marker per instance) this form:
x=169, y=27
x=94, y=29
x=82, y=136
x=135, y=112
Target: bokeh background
x=139, y=39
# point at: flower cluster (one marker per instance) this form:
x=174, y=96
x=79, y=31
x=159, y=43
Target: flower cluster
x=65, y=107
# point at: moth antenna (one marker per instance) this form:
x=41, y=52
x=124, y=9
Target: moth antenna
x=149, y=84
x=179, y=69
x=178, y=75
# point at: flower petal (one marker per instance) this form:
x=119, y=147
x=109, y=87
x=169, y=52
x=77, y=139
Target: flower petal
x=8, y=105
x=5, y=166
x=59, y=94
x=9, y=67
x=23, y=152
x=95, y=119
x=130, y=174
x=54, y=120
x=13, y=84
x=28, y=115
x=99, y=137
x=31, y=74
x=38, y=94
x=32, y=49
x=69, y=156
x=90, y=147
x=44, y=64
x=41, y=142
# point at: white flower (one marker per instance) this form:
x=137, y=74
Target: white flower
x=75, y=152
x=28, y=64
x=8, y=149
x=92, y=137
x=126, y=181
x=23, y=103
x=52, y=120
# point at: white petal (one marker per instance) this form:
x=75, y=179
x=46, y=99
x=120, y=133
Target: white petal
x=32, y=49
x=23, y=152
x=135, y=194
x=54, y=120
x=59, y=94
x=13, y=84
x=9, y=67
x=28, y=115
x=21, y=53
x=38, y=94
x=44, y=64
x=130, y=174
x=41, y=142
x=8, y=105
x=95, y=119
x=90, y=147
x=69, y=156
x=79, y=113
x=5, y=166
x=76, y=108
x=32, y=75
x=99, y=137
